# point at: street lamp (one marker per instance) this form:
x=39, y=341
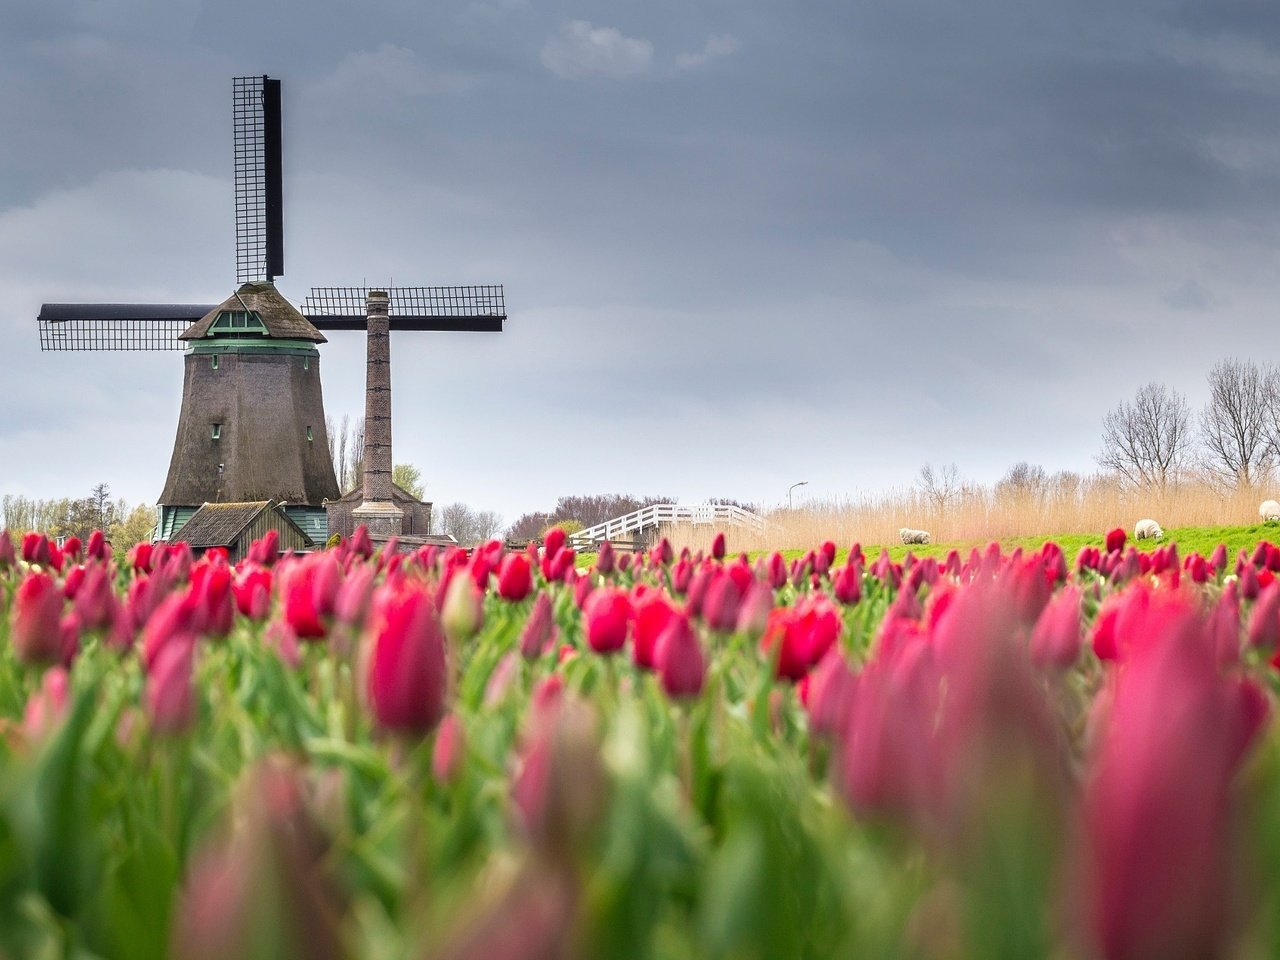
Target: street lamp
x=792, y=487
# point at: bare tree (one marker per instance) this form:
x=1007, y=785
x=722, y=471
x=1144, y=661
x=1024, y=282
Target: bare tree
x=1233, y=423
x=467, y=526
x=1148, y=441
x=1023, y=481
x=940, y=486
x=355, y=454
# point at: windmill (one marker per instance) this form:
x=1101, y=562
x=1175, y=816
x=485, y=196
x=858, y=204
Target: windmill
x=251, y=426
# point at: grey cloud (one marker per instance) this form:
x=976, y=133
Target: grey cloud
x=581, y=49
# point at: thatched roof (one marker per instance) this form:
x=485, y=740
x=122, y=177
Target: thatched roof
x=281, y=318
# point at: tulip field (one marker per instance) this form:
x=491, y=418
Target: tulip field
x=502, y=753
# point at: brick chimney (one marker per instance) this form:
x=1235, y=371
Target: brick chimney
x=378, y=512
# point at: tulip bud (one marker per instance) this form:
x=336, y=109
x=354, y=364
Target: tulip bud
x=680, y=663
x=718, y=546
x=607, y=614
x=539, y=632
x=171, y=698
x=605, y=559
x=720, y=604
x=515, y=579
x=1264, y=621
x=463, y=612
x=47, y=706
x=847, y=584
x=447, y=752
x=36, y=632
x=1055, y=640
x=405, y=671
x=1116, y=539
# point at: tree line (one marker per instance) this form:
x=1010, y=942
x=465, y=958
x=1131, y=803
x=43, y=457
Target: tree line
x=1233, y=442
x=123, y=523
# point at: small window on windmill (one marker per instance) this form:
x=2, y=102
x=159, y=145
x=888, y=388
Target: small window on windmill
x=306, y=363
x=217, y=431
x=308, y=434
x=238, y=323
x=213, y=361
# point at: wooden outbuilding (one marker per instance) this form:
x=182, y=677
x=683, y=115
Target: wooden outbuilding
x=235, y=526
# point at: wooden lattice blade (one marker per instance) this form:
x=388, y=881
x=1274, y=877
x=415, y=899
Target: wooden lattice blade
x=117, y=326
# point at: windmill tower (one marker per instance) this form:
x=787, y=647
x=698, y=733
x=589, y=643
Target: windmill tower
x=251, y=426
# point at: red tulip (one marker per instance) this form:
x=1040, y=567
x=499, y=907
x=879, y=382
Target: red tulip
x=140, y=557
x=847, y=584
x=515, y=579
x=718, y=546
x=35, y=629
x=405, y=662
x=252, y=591
x=265, y=551
x=8, y=556
x=653, y=613
x=1116, y=539
x=359, y=542
x=553, y=541
x=211, y=589
x=753, y=612
x=607, y=614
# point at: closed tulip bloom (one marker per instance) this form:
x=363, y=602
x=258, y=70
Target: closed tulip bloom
x=35, y=628
x=662, y=554
x=1116, y=539
x=753, y=612
x=1264, y=620
x=265, y=551
x=582, y=587
x=302, y=611
x=405, y=670
x=447, y=751
x=462, y=614
x=681, y=666
x=359, y=542
x=171, y=696
x=720, y=604
x=652, y=615
x=47, y=706
x=606, y=560
x=8, y=556
x=608, y=615
x=539, y=632
x=718, y=546
x=515, y=579
x=252, y=591
x=832, y=686
x=1055, y=640
x=847, y=584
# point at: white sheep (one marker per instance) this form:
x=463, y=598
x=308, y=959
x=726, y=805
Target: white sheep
x=1270, y=510
x=913, y=536
x=1147, y=530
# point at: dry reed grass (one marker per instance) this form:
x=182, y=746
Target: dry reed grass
x=978, y=515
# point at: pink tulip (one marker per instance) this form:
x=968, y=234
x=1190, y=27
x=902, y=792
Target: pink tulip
x=171, y=697
x=1158, y=807
x=447, y=751
x=539, y=632
x=681, y=666
x=47, y=706
x=1055, y=641
x=718, y=546
x=847, y=584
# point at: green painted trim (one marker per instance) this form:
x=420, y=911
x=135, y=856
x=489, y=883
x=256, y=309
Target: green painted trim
x=298, y=348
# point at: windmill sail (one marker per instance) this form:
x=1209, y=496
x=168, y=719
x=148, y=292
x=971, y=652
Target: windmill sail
x=473, y=309
x=258, y=179
x=117, y=326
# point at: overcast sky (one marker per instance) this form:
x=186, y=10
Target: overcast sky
x=744, y=242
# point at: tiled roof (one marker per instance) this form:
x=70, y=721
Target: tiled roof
x=218, y=524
